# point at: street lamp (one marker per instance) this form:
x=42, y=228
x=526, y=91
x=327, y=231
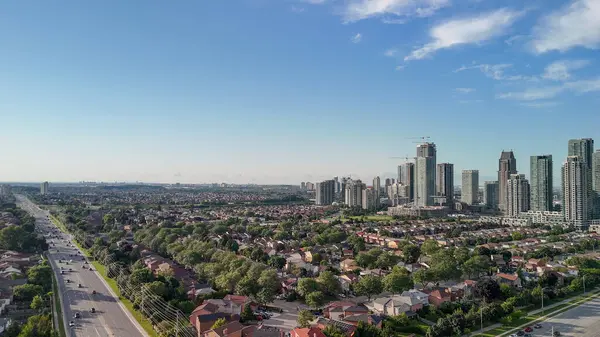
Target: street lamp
x=543, y=300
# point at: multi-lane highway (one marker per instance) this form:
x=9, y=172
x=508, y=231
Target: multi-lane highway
x=82, y=289
x=581, y=321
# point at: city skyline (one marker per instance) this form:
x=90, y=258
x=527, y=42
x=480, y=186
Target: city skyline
x=266, y=91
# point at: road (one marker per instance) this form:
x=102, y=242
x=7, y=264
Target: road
x=76, y=283
x=582, y=321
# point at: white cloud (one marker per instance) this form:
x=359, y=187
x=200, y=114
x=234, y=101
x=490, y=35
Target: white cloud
x=315, y=2
x=392, y=21
x=561, y=70
x=464, y=90
x=472, y=30
x=534, y=94
x=575, y=25
x=540, y=105
x=356, y=38
x=391, y=52
x=297, y=9
x=497, y=72
x=363, y=9
x=398, y=68
x=514, y=39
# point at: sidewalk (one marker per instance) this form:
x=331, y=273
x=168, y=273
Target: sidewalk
x=573, y=301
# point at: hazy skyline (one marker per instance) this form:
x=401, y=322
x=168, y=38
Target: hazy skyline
x=265, y=91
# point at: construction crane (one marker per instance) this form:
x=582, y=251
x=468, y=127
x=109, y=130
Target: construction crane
x=422, y=138
x=406, y=158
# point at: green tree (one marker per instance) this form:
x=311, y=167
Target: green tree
x=430, y=247
x=307, y=286
x=329, y=283
x=476, y=265
x=367, y=330
x=315, y=299
x=386, y=260
x=396, y=283
x=368, y=286
x=488, y=289
x=140, y=276
x=219, y=323
x=304, y=318
x=517, y=236
x=333, y=331
x=37, y=326
x=411, y=253
x=37, y=303
x=27, y=292
x=365, y=260
x=277, y=261
x=247, y=315
x=40, y=275
x=265, y=296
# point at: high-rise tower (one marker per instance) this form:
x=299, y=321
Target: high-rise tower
x=507, y=165
x=444, y=183
x=541, y=183
x=517, y=195
x=575, y=184
x=470, y=186
x=425, y=174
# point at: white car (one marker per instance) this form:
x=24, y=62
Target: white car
x=71, y=324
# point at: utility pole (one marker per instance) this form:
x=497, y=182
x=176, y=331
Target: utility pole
x=542, y=301
x=584, y=284
x=177, y=325
x=481, y=314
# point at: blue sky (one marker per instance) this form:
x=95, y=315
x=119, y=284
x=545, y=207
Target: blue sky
x=286, y=91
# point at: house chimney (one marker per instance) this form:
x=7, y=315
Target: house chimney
x=225, y=331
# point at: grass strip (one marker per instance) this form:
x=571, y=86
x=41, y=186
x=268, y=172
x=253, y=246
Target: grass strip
x=145, y=323
x=58, y=308
x=535, y=318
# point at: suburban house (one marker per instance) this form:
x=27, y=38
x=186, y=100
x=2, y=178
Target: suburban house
x=206, y=314
x=335, y=310
x=348, y=265
x=231, y=329
x=510, y=279
x=347, y=328
x=307, y=332
x=395, y=305
x=417, y=296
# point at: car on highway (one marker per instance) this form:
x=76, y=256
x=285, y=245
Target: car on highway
x=556, y=333
x=93, y=292
x=79, y=285
x=520, y=333
x=528, y=329
x=93, y=310
x=71, y=324
x=538, y=326
x=77, y=315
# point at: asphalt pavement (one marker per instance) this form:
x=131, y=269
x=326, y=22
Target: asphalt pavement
x=76, y=283
x=582, y=321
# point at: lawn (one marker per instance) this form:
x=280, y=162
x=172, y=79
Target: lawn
x=58, y=308
x=531, y=319
x=145, y=323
